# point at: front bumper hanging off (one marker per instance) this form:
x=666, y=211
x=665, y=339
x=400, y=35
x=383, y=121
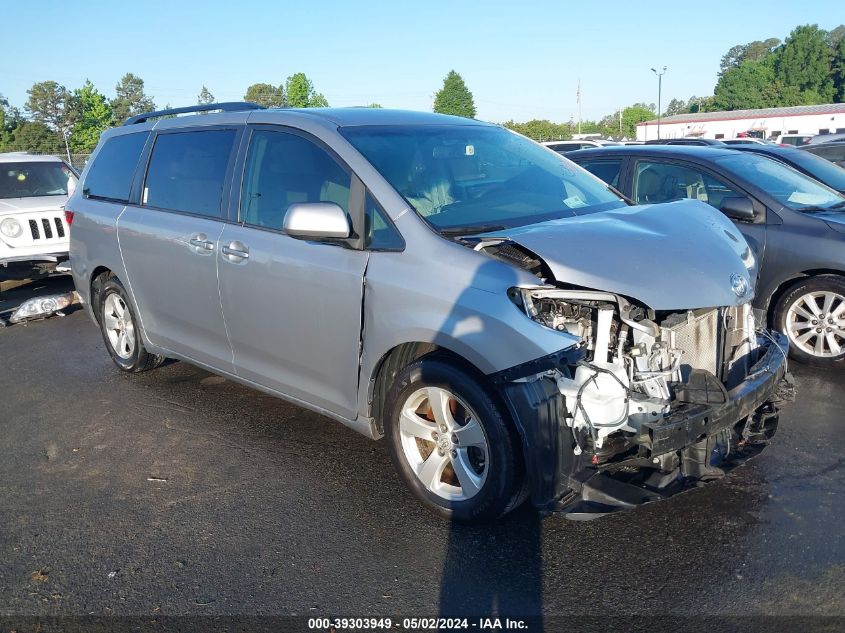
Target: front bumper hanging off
x=695, y=443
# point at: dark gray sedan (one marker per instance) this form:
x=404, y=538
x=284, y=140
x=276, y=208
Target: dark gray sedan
x=795, y=224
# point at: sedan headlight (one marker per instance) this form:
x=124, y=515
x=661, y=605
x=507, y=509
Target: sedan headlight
x=10, y=227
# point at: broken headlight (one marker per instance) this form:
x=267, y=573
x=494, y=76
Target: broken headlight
x=41, y=307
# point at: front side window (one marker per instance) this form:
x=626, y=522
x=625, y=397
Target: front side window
x=607, y=170
x=470, y=178
x=110, y=175
x=283, y=169
x=788, y=186
x=657, y=182
x=30, y=180
x=381, y=235
x=187, y=171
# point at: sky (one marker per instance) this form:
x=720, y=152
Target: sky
x=521, y=60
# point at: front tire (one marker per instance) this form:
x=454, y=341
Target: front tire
x=450, y=442
x=812, y=315
x=121, y=335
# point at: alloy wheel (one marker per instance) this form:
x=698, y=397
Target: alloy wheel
x=444, y=443
x=119, y=326
x=815, y=323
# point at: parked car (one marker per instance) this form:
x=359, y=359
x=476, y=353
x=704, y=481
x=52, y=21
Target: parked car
x=33, y=191
x=794, y=139
x=827, y=138
x=806, y=162
x=684, y=141
x=500, y=316
x=562, y=147
x=745, y=140
x=833, y=152
x=794, y=223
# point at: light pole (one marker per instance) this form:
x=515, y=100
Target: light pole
x=659, y=95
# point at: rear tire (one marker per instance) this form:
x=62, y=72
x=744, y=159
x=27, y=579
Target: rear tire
x=812, y=315
x=120, y=330
x=451, y=444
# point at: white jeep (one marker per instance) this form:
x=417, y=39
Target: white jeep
x=33, y=191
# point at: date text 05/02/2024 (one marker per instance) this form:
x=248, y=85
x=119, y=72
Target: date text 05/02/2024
x=344, y=625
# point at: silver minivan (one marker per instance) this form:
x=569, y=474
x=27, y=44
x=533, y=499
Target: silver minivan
x=508, y=323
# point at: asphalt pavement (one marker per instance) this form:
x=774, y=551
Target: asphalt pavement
x=176, y=492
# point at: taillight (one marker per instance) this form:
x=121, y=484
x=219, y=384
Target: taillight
x=68, y=216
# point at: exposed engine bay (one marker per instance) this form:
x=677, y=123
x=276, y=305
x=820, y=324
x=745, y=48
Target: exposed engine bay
x=638, y=363
x=653, y=399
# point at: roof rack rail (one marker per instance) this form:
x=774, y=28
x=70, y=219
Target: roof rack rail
x=229, y=106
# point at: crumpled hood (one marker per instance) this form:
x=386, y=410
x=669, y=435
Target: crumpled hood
x=35, y=203
x=672, y=256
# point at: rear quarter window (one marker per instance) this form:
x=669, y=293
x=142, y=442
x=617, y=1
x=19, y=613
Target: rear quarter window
x=110, y=175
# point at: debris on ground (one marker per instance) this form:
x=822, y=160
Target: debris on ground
x=42, y=307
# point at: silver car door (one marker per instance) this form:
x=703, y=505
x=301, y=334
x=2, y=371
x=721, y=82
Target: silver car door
x=292, y=307
x=170, y=241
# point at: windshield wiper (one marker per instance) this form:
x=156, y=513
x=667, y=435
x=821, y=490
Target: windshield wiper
x=470, y=230
x=816, y=209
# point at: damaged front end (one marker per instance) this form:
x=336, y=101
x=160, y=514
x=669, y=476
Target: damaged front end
x=649, y=404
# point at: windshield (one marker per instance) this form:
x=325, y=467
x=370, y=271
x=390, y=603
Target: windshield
x=471, y=178
x=789, y=187
x=28, y=180
x=819, y=168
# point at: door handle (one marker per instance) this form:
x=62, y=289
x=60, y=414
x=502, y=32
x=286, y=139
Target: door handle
x=201, y=242
x=236, y=251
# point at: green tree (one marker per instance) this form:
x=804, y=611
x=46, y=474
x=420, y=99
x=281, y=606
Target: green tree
x=205, y=97
x=300, y=93
x=31, y=136
x=676, y=106
x=634, y=114
x=838, y=66
x=375, y=105
x=266, y=94
x=754, y=51
x=541, y=129
x=52, y=105
x=804, y=62
x=93, y=117
x=749, y=85
x=700, y=104
x=454, y=97
x=131, y=98
x=835, y=36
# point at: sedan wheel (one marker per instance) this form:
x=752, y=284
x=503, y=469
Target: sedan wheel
x=812, y=315
x=815, y=323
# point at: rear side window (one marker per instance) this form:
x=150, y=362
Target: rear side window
x=607, y=170
x=666, y=182
x=110, y=175
x=187, y=171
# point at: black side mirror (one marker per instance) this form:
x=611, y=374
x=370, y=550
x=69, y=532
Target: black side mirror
x=738, y=208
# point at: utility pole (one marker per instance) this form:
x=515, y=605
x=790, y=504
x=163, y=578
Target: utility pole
x=578, y=98
x=659, y=95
